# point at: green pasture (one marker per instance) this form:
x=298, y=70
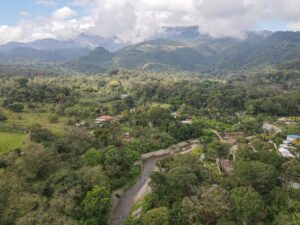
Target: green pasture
x=11, y=141
x=31, y=117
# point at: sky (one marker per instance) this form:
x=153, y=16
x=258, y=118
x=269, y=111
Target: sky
x=137, y=20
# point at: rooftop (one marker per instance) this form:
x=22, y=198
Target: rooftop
x=293, y=136
x=286, y=153
x=104, y=117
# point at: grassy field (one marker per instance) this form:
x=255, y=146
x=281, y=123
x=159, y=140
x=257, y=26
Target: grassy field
x=11, y=141
x=31, y=117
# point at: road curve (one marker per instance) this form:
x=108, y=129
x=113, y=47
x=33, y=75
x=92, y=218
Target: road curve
x=133, y=194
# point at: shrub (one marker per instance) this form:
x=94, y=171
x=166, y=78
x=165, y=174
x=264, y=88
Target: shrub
x=2, y=117
x=16, y=107
x=53, y=119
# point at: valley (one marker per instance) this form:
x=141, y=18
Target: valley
x=72, y=145
x=150, y=112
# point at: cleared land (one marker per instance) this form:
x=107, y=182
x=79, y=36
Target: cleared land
x=11, y=141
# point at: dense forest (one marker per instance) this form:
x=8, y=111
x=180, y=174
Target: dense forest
x=67, y=165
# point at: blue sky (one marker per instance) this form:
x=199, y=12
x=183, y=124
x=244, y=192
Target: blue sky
x=137, y=20
x=10, y=10
x=13, y=11
x=272, y=25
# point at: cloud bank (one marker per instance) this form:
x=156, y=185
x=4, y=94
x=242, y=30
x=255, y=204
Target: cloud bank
x=137, y=20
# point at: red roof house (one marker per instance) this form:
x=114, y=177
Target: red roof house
x=103, y=119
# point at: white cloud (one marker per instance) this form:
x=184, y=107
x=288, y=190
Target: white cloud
x=63, y=13
x=137, y=20
x=9, y=33
x=294, y=26
x=60, y=24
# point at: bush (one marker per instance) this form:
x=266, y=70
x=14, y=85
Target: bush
x=53, y=119
x=16, y=107
x=38, y=134
x=2, y=117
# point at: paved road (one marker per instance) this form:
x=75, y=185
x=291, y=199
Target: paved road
x=133, y=195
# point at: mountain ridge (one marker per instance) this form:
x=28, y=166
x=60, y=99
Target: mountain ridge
x=179, y=49
x=204, y=54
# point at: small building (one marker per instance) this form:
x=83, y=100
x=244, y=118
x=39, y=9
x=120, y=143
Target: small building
x=81, y=124
x=285, y=153
x=174, y=115
x=187, y=122
x=284, y=146
x=103, y=119
x=295, y=185
x=285, y=142
x=123, y=96
x=289, y=120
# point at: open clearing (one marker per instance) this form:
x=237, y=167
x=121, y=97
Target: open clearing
x=11, y=141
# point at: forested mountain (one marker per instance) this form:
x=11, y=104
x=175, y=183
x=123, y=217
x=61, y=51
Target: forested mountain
x=81, y=41
x=26, y=55
x=201, y=54
x=177, y=49
x=51, y=50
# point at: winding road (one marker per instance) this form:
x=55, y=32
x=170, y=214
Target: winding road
x=122, y=206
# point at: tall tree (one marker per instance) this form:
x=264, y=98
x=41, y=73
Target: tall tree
x=157, y=216
x=206, y=205
x=247, y=205
x=95, y=206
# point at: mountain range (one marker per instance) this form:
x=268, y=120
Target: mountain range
x=198, y=54
x=176, y=49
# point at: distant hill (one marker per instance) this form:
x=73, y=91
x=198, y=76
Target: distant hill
x=96, y=61
x=26, y=55
x=198, y=53
x=82, y=41
x=176, y=49
x=51, y=50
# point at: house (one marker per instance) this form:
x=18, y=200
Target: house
x=103, y=119
x=295, y=185
x=81, y=124
x=289, y=120
x=286, y=147
x=174, y=115
x=123, y=96
x=285, y=153
x=187, y=122
x=225, y=165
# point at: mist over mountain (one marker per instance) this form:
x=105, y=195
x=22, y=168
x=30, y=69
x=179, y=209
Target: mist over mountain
x=82, y=41
x=54, y=51
x=191, y=51
x=176, y=49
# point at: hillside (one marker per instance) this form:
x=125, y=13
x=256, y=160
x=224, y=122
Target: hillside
x=53, y=51
x=177, y=49
x=26, y=55
x=203, y=54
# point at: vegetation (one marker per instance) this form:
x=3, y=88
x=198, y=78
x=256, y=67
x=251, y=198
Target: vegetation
x=57, y=166
x=11, y=141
